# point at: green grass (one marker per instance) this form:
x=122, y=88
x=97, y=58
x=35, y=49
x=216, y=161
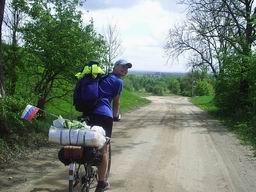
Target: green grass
x=206, y=103
x=63, y=107
x=130, y=101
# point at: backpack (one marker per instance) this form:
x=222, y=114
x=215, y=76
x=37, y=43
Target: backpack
x=86, y=94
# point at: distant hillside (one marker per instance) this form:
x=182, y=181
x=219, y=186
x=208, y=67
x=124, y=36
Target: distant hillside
x=152, y=73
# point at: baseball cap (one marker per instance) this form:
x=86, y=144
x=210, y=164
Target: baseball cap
x=123, y=62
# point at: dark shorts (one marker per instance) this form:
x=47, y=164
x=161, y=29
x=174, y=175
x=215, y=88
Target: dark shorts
x=103, y=121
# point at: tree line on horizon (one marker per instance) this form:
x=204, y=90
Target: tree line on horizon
x=198, y=83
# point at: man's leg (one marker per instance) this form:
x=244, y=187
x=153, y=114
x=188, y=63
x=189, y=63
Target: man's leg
x=102, y=171
x=106, y=123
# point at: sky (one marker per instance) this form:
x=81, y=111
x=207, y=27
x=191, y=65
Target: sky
x=143, y=27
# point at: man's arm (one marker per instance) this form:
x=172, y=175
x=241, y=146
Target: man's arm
x=116, y=106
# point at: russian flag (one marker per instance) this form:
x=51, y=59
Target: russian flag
x=29, y=112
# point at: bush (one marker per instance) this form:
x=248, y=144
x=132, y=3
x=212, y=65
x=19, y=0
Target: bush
x=12, y=107
x=158, y=90
x=174, y=86
x=186, y=86
x=128, y=85
x=203, y=88
x=227, y=87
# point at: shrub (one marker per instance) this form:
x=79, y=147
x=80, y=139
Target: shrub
x=203, y=88
x=174, y=86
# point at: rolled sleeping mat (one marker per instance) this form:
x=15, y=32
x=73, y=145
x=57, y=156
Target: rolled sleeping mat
x=83, y=137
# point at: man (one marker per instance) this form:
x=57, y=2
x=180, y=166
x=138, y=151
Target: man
x=103, y=115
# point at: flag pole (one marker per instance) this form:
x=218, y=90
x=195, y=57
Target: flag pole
x=48, y=112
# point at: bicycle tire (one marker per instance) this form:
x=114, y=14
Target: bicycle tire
x=70, y=186
x=75, y=184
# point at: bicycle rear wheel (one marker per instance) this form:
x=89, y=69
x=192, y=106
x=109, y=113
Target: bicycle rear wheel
x=76, y=175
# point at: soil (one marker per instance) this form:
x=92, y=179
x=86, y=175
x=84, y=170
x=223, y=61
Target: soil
x=167, y=146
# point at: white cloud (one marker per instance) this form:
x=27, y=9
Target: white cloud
x=143, y=29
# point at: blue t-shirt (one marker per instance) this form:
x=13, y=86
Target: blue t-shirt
x=110, y=87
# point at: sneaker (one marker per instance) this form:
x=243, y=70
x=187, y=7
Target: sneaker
x=102, y=186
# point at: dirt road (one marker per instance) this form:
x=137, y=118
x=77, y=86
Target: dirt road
x=167, y=146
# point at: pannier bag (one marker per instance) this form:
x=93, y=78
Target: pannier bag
x=79, y=154
x=68, y=154
x=94, y=137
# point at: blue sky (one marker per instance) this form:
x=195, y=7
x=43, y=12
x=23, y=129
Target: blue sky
x=143, y=27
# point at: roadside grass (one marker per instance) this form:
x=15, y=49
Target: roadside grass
x=130, y=101
x=206, y=103
x=244, y=128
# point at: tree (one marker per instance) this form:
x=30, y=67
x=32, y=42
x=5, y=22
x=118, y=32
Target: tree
x=3, y=124
x=113, y=44
x=13, y=53
x=58, y=45
x=200, y=36
x=220, y=32
x=2, y=92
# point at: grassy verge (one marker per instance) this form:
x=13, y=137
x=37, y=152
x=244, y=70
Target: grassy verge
x=206, y=103
x=130, y=101
x=244, y=128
